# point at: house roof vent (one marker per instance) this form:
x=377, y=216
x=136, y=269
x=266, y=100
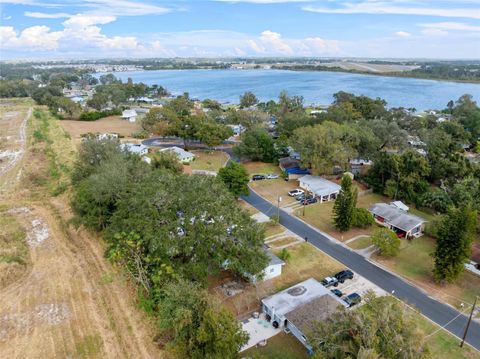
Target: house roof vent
x=297, y=291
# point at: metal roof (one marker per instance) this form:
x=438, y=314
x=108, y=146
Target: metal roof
x=318, y=185
x=396, y=216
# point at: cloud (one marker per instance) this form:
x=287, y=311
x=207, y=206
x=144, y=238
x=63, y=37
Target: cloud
x=264, y=1
x=394, y=8
x=403, y=34
x=273, y=40
x=455, y=26
x=34, y=38
x=42, y=15
x=85, y=20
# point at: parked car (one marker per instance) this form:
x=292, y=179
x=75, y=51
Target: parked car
x=271, y=176
x=343, y=275
x=309, y=200
x=296, y=192
x=258, y=177
x=337, y=292
x=329, y=281
x=352, y=299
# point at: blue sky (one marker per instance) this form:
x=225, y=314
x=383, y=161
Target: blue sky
x=37, y=29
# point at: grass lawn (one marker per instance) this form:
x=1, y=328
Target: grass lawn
x=254, y=168
x=284, y=346
x=282, y=242
x=273, y=188
x=249, y=208
x=360, y=243
x=272, y=229
x=209, y=160
x=415, y=263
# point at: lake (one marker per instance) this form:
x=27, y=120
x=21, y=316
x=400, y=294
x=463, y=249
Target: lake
x=317, y=87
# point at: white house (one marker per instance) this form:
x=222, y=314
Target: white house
x=299, y=307
x=107, y=136
x=136, y=148
x=182, y=155
x=402, y=223
x=129, y=115
x=400, y=205
x=324, y=189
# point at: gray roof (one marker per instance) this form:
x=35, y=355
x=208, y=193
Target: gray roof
x=318, y=309
x=396, y=217
x=180, y=152
x=289, y=299
x=318, y=185
x=273, y=259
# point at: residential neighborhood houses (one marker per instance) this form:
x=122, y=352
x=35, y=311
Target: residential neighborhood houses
x=182, y=155
x=129, y=115
x=322, y=188
x=403, y=224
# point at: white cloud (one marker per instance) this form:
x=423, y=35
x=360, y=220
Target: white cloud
x=434, y=32
x=273, y=41
x=403, y=34
x=397, y=8
x=264, y=1
x=42, y=15
x=85, y=20
x=455, y=26
x=34, y=38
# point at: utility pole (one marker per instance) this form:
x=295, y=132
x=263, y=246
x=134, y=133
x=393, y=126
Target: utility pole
x=279, y=199
x=468, y=323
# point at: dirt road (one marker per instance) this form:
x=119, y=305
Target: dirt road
x=71, y=302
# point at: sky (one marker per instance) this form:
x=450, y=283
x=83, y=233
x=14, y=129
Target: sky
x=87, y=29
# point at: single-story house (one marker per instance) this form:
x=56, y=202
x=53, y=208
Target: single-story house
x=292, y=153
x=359, y=166
x=402, y=223
x=129, y=115
x=237, y=129
x=136, y=148
x=107, y=136
x=400, y=205
x=297, y=308
x=324, y=189
x=182, y=155
x=292, y=168
x=273, y=268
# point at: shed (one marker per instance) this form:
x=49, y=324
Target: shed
x=273, y=268
x=322, y=188
x=129, y=115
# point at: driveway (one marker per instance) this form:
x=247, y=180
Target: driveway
x=440, y=313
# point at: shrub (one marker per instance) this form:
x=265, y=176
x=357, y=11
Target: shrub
x=284, y=255
x=362, y=218
x=96, y=115
x=386, y=241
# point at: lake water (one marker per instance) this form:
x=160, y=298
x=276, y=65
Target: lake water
x=316, y=87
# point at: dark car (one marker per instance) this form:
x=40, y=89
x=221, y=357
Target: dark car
x=343, y=275
x=337, y=292
x=258, y=177
x=308, y=201
x=352, y=299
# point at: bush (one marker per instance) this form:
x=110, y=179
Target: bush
x=140, y=134
x=275, y=219
x=96, y=115
x=284, y=255
x=362, y=218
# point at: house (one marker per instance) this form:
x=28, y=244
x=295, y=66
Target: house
x=359, y=166
x=237, y=129
x=292, y=153
x=107, y=136
x=291, y=167
x=273, y=268
x=297, y=308
x=324, y=189
x=129, y=115
x=402, y=223
x=182, y=155
x=400, y=205
x=136, y=148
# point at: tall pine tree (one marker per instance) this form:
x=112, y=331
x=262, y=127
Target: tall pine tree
x=455, y=237
x=345, y=204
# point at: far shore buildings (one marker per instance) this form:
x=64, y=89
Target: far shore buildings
x=296, y=309
x=395, y=217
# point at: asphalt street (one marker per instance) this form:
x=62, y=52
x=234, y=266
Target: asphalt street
x=440, y=313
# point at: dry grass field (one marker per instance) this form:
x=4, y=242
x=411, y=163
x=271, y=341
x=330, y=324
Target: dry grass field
x=112, y=124
x=67, y=301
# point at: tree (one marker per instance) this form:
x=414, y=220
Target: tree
x=199, y=327
x=212, y=133
x=454, y=239
x=257, y=145
x=248, y=99
x=381, y=328
x=386, y=241
x=362, y=218
x=344, y=206
x=324, y=146
x=167, y=160
x=235, y=177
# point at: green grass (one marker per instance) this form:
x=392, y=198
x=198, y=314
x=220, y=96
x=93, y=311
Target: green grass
x=360, y=243
x=272, y=229
x=261, y=168
x=281, y=346
x=208, y=160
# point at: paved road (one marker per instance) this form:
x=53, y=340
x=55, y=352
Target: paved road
x=436, y=311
